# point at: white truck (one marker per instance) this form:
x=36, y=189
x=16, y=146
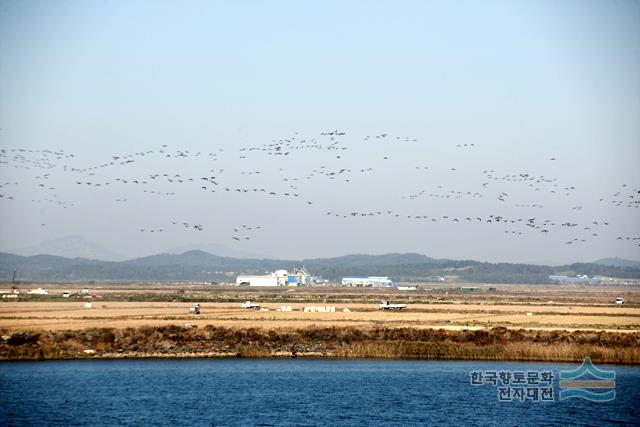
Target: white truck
x=195, y=309
x=250, y=305
x=384, y=305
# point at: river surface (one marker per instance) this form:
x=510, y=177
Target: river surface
x=266, y=392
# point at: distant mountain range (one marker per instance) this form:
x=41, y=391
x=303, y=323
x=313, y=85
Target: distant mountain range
x=214, y=249
x=71, y=247
x=202, y=266
x=79, y=247
x=618, y=262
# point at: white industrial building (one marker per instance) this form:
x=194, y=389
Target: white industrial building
x=367, y=282
x=300, y=276
x=568, y=279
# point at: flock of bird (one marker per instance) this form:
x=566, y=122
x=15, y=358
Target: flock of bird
x=51, y=173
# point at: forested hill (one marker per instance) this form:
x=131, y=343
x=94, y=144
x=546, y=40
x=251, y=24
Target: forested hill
x=202, y=266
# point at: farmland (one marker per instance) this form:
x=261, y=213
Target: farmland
x=127, y=310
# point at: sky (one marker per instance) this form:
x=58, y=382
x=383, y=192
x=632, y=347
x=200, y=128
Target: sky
x=495, y=131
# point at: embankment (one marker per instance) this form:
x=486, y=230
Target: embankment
x=337, y=342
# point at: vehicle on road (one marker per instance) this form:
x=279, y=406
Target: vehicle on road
x=250, y=305
x=195, y=309
x=384, y=305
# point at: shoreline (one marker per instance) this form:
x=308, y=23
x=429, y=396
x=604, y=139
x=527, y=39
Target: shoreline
x=309, y=356
x=179, y=342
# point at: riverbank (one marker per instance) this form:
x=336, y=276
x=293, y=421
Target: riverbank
x=498, y=343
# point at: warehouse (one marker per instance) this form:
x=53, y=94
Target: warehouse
x=367, y=282
x=300, y=276
x=568, y=279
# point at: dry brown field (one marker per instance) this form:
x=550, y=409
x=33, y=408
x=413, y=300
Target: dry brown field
x=447, y=307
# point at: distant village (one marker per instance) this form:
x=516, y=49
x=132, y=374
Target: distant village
x=300, y=276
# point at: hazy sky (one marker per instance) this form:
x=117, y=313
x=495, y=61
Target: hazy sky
x=525, y=82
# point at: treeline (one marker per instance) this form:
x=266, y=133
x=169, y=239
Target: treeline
x=201, y=266
x=473, y=271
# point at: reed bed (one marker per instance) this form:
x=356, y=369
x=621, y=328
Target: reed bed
x=497, y=343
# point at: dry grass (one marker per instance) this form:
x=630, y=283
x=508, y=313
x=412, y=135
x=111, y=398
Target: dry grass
x=508, y=352
x=72, y=315
x=485, y=326
x=346, y=342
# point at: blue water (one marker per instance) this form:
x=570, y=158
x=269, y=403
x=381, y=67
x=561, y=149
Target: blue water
x=290, y=392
